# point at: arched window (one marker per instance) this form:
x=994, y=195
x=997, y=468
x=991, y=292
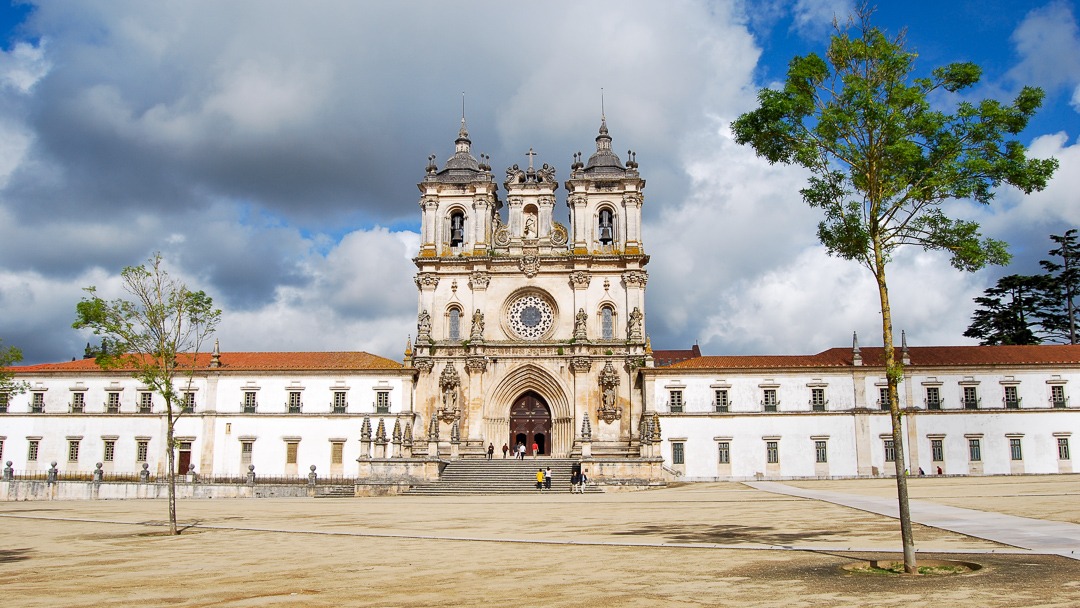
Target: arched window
x=454, y=324
x=457, y=229
x=606, y=227
x=607, y=323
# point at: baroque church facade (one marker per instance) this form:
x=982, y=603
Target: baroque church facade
x=534, y=332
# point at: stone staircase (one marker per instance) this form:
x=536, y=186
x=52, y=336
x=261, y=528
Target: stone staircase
x=335, y=492
x=499, y=476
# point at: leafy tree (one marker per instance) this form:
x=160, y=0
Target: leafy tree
x=158, y=333
x=1059, y=319
x=883, y=160
x=10, y=356
x=1009, y=311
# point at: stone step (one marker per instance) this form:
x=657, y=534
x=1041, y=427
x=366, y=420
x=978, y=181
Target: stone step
x=499, y=476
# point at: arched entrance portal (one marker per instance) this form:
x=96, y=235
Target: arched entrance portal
x=530, y=421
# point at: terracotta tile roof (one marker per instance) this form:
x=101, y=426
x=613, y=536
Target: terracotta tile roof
x=924, y=356
x=663, y=358
x=264, y=361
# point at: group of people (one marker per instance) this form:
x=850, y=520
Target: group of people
x=578, y=481
x=519, y=450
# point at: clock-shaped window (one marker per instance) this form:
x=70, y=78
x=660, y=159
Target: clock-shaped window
x=530, y=317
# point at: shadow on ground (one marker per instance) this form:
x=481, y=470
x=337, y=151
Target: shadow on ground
x=14, y=555
x=725, y=534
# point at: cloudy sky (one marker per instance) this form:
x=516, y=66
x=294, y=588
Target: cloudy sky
x=270, y=151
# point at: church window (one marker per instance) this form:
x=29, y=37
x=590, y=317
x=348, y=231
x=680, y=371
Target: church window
x=772, y=452
x=382, y=402
x=339, y=402
x=37, y=403
x=890, y=450
x=607, y=323
x=113, y=405
x=32, y=446
x=73, y=450
x=821, y=451
x=721, y=403
x=457, y=229
x=769, y=400
x=678, y=452
x=142, y=450
x=606, y=227
x=724, y=452
x=817, y=400
x=146, y=402
x=294, y=402
x=454, y=324
x=109, y=450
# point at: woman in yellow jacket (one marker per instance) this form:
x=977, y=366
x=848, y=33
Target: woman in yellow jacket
x=540, y=480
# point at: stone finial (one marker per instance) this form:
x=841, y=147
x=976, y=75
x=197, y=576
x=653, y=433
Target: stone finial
x=433, y=429
x=586, y=427
x=408, y=346
x=656, y=427
x=53, y=473
x=856, y=354
x=215, y=357
x=396, y=435
x=251, y=475
x=99, y=475
x=380, y=433
x=455, y=433
x=905, y=356
x=9, y=472
x=406, y=436
x=365, y=429
x=144, y=474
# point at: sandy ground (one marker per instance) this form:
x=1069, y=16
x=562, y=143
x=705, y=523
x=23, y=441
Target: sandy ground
x=695, y=545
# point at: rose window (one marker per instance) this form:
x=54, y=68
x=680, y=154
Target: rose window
x=530, y=317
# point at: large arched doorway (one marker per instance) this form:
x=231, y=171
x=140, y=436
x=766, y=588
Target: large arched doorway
x=530, y=421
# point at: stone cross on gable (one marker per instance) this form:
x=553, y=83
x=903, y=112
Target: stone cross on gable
x=530, y=154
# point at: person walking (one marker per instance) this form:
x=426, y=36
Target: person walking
x=582, y=482
x=521, y=451
x=491, y=450
x=575, y=479
x=536, y=449
x=540, y=480
x=506, y=449
x=547, y=479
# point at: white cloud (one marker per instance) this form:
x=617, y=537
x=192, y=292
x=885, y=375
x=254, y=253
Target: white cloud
x=814, y=18
x=23, y=66
x=1048, y=43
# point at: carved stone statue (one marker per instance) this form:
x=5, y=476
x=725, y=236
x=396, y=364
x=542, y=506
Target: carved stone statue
x=514, y=175
x=546, y=174
x=580, y=321
x=423, y=326
x=609, y=380
x=530, y=227
x=634, y=332
x=477, y=325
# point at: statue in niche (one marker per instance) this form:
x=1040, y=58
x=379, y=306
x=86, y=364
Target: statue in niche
x=530, y=226
x=609, y=397
x=580, y=320
x=636, y=317
x=423, y=326
x=450, y=398
x=477, y=325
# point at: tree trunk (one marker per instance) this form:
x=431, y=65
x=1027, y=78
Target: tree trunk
x=171, y=447
x=893, y=375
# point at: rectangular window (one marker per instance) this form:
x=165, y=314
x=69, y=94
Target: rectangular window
x=189, y=403
x=246, y=448
x=937, y=450
x=112, y=405
x=974, y=450
x=890, y=451
x=142, y=450
x=73, y=450
x=37, y=403
x=5, y=399
x=971, y=398
x=339, y=402
x=721, y=403
x=772, y=452
x=1015, y=452
x=724, y=449
x=677, y=454
x=249, y=402
x=382, y=402
x=1, y=449
x=109, y=451
x=337, y=452
x=933, y=398
x=78, y=402
x=32, y=449
x=1012, y=400
x=883, y=398
x=817, y=401
x=821, y=451
x=675, y=401
x=290, y=452
x=769, y=400
x=146, y=402
x=1063, y=448
x=1057, y=395
x=294, y=402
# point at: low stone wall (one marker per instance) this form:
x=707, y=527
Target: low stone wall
x=88, y=490
x=621, y=474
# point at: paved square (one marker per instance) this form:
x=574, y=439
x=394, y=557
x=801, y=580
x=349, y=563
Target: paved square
x=693, y=545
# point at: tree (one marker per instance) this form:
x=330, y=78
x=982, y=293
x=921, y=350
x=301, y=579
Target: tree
x=8, y=357
x=883, y=161
x=1009, y=311
x=157, y=334
x=1060, y=317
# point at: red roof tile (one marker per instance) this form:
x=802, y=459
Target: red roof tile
x=269, y=361
x=924, y=356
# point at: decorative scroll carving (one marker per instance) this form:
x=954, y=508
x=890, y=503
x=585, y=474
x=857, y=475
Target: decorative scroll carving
x=633, y=327
x=546, y=174
x=424, y=364
x=581, y=364
x=479, y=280
x=423, y=327
x=580, y=279
x=514, y=175
x=426, y=279
x=500, y=232
x=609, y=379
x=530, y=265
x=632, y=198
x=580, y=321
x=559, y=235
x=636, y=278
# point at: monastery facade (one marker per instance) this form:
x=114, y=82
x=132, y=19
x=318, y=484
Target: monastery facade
x=529, y=331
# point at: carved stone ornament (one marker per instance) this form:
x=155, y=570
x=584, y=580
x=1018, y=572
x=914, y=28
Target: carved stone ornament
x=633, y=328
x=581, y=364
x=380, y=433
x=581, y=319
x=530, y=265
x=636, y=278
x=580, y=278
x=477, y=332
x=425, y=365
x=609, y=379
x=423, y=327
x=476, y=364
x=502, y=234
x=427, y=279
x=396, y=435
x=632, y=198
x=479, y=280
x=450, y=385
x=559, y=235
x=365, y=429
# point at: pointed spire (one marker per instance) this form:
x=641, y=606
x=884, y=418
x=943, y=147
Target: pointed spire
x=856, y=354
x=586, y=427
x=380, y=433
x=433, y=429
x=406, y=436
x=396, y=435
x=408, y=346
x=215, y=358
x=365, y=429
x=905, y=356
x=455, y=433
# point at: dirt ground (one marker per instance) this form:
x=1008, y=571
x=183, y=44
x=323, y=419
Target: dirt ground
x=694, y=545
